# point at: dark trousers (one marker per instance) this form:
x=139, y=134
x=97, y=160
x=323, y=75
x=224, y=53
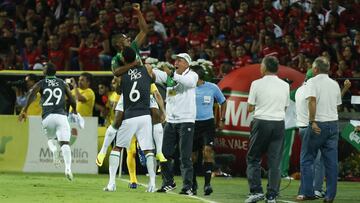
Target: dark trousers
x=265, y=137
x=178, y=134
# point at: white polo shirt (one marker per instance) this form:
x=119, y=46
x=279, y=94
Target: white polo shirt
x=302, y=110
x=271, y=96
x=328, y=96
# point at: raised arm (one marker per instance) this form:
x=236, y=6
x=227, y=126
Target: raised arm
x=71, y=99
x=78, y=96
x=140, y=37
x=31, y=97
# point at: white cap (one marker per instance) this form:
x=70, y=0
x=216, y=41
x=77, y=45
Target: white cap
x=38, y=66
x=185, y=56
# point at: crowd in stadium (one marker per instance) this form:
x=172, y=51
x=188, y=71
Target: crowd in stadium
x=76, y=35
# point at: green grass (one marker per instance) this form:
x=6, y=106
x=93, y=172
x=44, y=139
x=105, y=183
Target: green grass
x=36, y=187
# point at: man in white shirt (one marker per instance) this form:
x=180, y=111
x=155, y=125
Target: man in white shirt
x=302, y=115
x=180, y=118
x=324, y=96
x=268, y=98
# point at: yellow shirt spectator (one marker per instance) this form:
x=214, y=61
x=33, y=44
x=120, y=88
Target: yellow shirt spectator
x=35, y=107
x=85, y=108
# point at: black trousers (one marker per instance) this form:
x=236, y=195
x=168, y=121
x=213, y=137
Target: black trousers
x=265, y=137
x=180, y=134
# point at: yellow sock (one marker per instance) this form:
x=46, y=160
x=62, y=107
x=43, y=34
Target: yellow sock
x=130, y=160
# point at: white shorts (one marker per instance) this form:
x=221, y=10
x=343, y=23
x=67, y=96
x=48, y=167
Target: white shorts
x=120, y=104
x=57, y=126
x=140, y=127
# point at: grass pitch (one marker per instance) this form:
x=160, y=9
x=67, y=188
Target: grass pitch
x=37, y=187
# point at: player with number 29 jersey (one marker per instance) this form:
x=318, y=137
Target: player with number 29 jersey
x=52, y=91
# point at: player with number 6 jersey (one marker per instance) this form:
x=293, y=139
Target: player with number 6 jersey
x=55, y=124
x=135, y=86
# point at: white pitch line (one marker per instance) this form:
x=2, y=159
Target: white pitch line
x=286, y=201
x=190, y=196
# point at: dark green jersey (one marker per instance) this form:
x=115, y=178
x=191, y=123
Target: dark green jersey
x=53, y=93
x=117, y=60
x=135, y=86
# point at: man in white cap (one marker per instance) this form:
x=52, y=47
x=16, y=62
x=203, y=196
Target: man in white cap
x=180, y=117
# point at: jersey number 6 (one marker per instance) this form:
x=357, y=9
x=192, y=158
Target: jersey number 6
x=134, y=93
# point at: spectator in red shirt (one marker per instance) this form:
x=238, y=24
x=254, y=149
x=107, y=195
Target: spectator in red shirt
x=103, y=23
x=56, y=54
x=67, y=41
x=350, y=57
x=221, y=9
x=350, y=17
x=32, y=53
x=334, y=30
x=169, y=13
x=343, y=70
x=89, y=53
x=267, y=11
x=110, y=11
x=120, y=25
x=267, y=45
x=309, y=44
x=195, y=38
x=158, y=26
x=242, y=58
x=270, y=26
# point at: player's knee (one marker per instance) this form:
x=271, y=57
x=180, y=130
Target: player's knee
x=149, y=152
x=155, y=115
x=63, y=143
x=116, y=148
x=208, y=153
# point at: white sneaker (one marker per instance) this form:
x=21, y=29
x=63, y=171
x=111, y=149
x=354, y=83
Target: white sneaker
x=319, y=194
x=255, y=197
x=56, y=159
x=110, y=188
x=151, y=188
x=69, y=175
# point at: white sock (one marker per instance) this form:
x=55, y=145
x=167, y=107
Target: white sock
x=151, y=167
x=158, y=137
x=52, y=145
x=109, y=137
x=114, y=159
x=67, y=156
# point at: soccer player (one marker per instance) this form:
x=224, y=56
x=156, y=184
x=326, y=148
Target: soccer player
x=121, y=41
x=55, y=122
x=135, y=88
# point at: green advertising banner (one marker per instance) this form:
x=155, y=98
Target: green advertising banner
x=351, y=136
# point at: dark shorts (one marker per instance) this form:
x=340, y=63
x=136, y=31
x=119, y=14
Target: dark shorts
x=204, y=134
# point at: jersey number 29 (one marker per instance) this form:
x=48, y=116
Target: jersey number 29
x=57, y=93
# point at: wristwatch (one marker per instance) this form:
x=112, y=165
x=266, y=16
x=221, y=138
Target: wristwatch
x=222, y=119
